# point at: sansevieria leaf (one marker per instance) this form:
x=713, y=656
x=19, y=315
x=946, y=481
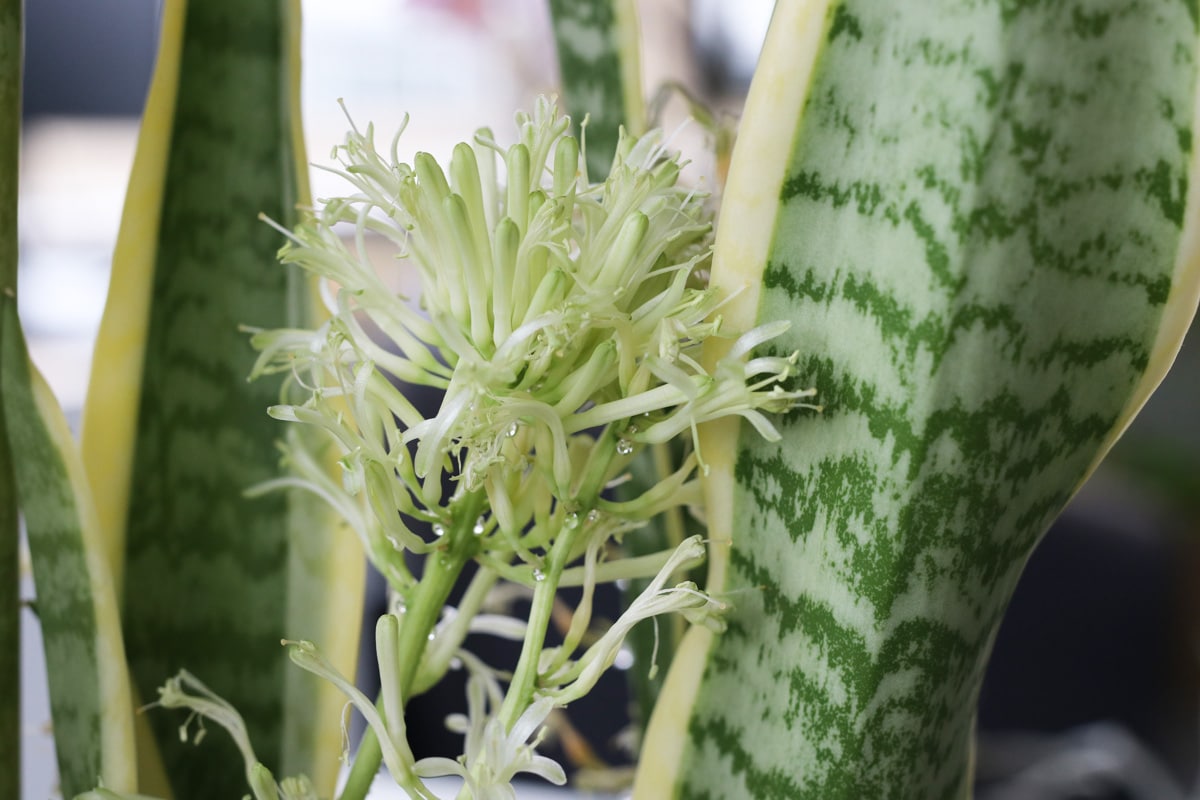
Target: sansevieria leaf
x=10, y=623
x=90, y=704
x=600, y=70
x=41, y=473
x=174, y=434
x=981, y=219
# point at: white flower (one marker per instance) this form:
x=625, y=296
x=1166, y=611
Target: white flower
x=578, y=678
x=188, y=692
x=494, y=756
x=551, y=306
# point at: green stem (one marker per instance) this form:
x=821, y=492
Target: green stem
x=452, y=637
x=673, y=527
x=520, y=690
x=595, y=475
x=442, y=568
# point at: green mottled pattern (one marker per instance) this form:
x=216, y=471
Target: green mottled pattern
x=206, y=568
x=64, y=594
x=976, y=240
x=589, y=60
x=10, y=623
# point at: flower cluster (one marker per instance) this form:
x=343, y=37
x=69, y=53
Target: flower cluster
x=555, y=314
x=561, y=320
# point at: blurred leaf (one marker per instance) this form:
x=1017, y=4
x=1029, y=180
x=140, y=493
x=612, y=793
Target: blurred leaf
x=174, y=434
x=601, y=73
x=10, y=620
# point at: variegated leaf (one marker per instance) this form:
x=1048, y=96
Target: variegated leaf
x=174, y=434
x=600, y=70
x=981, y=219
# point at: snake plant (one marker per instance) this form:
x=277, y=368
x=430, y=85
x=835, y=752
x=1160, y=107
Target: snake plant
x=970, y=227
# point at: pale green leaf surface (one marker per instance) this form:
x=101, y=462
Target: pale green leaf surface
x=980, y=240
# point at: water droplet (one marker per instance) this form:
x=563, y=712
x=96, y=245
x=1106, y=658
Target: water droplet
x=513, y=427
x=624, y=447
x=593, y=515
x=480, y=525
x=538, y=575
x=571, y=521
x=439, y=529
x=631, y=430
x=431, y=636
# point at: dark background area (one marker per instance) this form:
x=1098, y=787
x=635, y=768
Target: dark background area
x=88, y=59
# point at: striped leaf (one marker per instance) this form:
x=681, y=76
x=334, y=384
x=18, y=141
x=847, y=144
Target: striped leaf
x=90, y=704
x=10, y=622
x=41, y=471
x=174, y=434
x=41, y=475
x=600, y=70
x=982, y=220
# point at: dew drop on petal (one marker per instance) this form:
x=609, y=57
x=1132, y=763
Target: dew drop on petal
x=538, y=575
x=624, y=447
x=439, y=529
x=571, y=521
x=593, y=515
x=513, y=427
x=480, y=525
x=431, y=636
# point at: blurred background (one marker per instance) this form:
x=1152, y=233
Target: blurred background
x=1094, y=689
